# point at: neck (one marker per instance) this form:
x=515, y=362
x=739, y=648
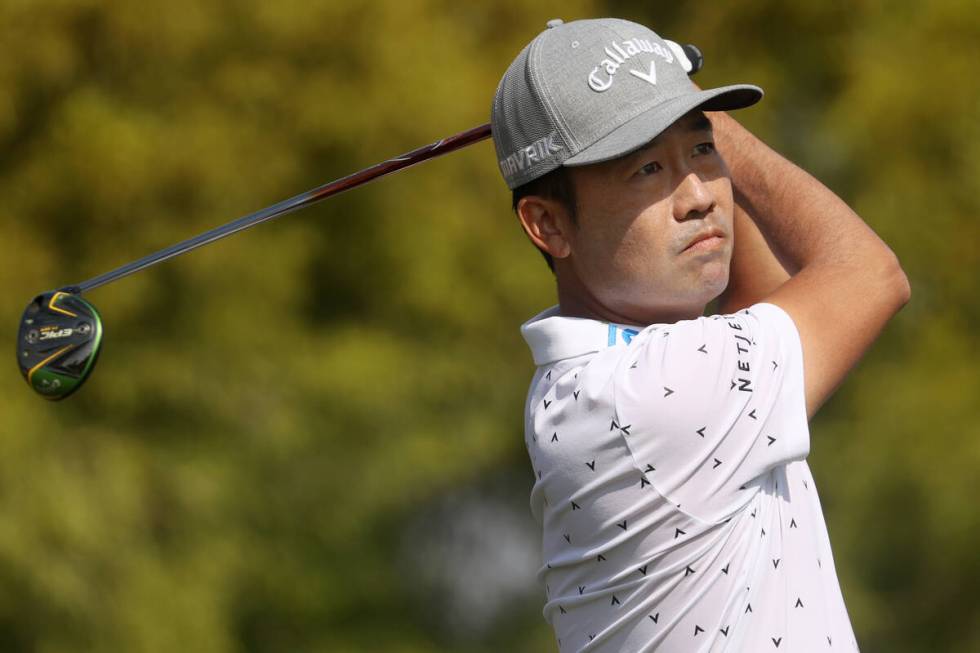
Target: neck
x=575, y=300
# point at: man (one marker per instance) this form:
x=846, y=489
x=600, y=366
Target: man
x=669, y=447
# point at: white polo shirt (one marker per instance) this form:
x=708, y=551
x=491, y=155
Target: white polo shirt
x=677, y=508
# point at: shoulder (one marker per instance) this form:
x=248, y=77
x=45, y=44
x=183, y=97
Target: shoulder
x=709, y=358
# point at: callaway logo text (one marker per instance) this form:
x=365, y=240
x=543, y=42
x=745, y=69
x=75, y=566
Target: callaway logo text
x=601, y=77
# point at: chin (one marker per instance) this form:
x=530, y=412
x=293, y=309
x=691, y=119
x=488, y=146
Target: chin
x=713, y=281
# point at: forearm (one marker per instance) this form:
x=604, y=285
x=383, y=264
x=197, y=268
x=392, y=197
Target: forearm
x=804, y=223
x=755, y=270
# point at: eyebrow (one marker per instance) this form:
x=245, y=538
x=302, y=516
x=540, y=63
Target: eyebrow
x=699, y=124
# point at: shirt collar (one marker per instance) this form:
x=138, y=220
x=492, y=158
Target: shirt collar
x=553, y=337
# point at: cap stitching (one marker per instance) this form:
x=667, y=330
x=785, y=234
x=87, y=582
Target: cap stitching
x=538, y=87
x=705, y=96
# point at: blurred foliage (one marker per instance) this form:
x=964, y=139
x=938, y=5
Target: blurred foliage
x=309, y=437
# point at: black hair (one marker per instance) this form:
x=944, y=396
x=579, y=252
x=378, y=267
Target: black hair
x=556, y=185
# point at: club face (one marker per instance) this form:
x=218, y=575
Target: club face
x=58, y=343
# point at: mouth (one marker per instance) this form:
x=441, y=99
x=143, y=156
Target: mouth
x=706, y=241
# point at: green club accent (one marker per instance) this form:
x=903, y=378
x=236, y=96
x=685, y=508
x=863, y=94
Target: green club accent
x=59, y=343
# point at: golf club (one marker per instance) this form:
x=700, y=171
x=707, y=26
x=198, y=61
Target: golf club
x=60, y=333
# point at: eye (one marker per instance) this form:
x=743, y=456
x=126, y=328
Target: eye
x=704, y=148
x=649, y=168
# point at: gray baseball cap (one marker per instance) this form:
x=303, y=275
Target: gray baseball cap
x=593, y=90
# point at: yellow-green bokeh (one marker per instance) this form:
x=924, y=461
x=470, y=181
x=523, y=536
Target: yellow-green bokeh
x=297, y=439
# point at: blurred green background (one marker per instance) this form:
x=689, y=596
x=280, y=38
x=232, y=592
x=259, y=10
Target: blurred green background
x=308, y=437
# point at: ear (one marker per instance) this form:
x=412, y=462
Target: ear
x=547, y=224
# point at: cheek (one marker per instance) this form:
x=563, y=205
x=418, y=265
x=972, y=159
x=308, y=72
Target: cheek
x=721, y=190
x=634, y=258
x=643, y=248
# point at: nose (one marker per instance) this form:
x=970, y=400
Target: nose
x=692, y=198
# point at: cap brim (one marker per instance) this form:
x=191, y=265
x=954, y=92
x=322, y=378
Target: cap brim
x=637, y=132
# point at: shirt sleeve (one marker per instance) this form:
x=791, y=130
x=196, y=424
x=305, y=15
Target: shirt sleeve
x=711, y=405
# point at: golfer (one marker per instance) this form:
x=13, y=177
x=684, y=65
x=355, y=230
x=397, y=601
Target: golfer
x=669, y=447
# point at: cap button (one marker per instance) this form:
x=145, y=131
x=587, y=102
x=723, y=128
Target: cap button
x=554, y=22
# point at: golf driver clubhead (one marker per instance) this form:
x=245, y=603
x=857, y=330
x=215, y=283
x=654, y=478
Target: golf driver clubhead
x=58, y=343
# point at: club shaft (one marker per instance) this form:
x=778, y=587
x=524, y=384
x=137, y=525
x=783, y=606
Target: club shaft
x=311, y=197
x=444, y=146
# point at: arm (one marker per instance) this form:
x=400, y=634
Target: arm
x=846, y=283
x=755, y=271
